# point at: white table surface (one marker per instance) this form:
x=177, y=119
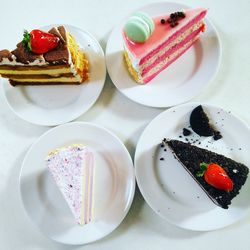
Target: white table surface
x=142, y=228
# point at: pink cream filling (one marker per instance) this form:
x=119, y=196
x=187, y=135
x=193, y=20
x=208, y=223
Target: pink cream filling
x=149, y=78
x=86, y=190
x=172, y=50
x=91, y=188
x=173, y=37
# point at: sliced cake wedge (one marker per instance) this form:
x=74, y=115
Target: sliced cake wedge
x=194, y=158
x=154, y=50
x=45, y=58
x=72, y=168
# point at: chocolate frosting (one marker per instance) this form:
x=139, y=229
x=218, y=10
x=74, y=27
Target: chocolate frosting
x=23, y=56
x=5, y=54
x=57, y=56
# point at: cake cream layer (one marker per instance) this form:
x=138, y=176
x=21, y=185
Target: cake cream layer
x=165, y=63
x=14, y=83
x=168, y=53
x=72, y=169
x=37, y=76
x=19, y=70
x=169, y=46
x=46, y=80
x=86, y=211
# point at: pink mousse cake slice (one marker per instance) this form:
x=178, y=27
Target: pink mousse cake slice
x=169, y=40
x=72, y=169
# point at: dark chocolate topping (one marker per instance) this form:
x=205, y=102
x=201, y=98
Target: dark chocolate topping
x=191, y=156
x=23, y=56
x=57, y=56
x=61, y=33
x=60, y=55
x=5, y=54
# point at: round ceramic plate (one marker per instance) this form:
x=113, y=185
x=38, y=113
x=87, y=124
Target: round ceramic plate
x=173, y=193
x=114, y=184
x=57, y=104
x=178, y=83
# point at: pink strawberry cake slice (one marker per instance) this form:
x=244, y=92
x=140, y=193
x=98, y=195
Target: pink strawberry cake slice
x=173, y=34
x=72, y=169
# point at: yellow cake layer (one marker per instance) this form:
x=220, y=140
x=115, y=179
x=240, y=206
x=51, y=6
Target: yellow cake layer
x=79, y=59
x=44, y=80
x=52, y=72
x=131, y=70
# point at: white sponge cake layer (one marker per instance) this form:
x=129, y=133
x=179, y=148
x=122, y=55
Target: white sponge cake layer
x=72, y=168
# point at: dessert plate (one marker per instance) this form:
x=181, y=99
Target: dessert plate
x=57, y=104
x=181, y=81
x=114, y=184
x=172, y=193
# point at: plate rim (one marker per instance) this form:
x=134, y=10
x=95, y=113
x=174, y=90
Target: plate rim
x=211, y=78
x=138, y=179
x=132, y=185
x=51, y=124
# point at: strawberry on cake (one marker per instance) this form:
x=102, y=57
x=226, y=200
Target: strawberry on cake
x=152, y=44
x=220, y=177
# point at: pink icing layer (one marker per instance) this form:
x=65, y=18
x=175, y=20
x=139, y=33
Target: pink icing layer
x=162, y=34
x=172, y=50
x=149, y=78
x=91, y=163
x=86, y=209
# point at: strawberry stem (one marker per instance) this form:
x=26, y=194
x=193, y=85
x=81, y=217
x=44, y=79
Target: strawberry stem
x=26, y=41
x=203, y=168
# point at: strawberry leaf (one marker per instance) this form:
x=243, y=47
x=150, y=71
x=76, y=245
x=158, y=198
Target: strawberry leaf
x=26, y=41
x=203, y=168
x=200, y=173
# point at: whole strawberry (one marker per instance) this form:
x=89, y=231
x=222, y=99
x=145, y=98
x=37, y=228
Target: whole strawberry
x=39, y=42
x=215, y=176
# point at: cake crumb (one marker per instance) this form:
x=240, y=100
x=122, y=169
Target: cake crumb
x=186, y=132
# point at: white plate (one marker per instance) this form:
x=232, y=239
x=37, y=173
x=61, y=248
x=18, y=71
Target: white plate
x=114, y=184
x=53, y=105
x=169, y=189
x=181, y=81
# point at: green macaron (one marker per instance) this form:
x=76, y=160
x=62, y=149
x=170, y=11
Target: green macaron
x=139, y=27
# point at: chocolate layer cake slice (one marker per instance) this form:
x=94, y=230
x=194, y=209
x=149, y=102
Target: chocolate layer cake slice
x=64, y=64
x=191, y=157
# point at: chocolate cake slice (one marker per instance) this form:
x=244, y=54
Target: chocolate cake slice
x=64, y=64
x=191, y=157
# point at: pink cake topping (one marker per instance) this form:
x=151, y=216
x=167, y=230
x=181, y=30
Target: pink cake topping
x=161, y=31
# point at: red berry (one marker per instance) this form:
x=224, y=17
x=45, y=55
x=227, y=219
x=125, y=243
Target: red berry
x=40, y=42
x=217, y=177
